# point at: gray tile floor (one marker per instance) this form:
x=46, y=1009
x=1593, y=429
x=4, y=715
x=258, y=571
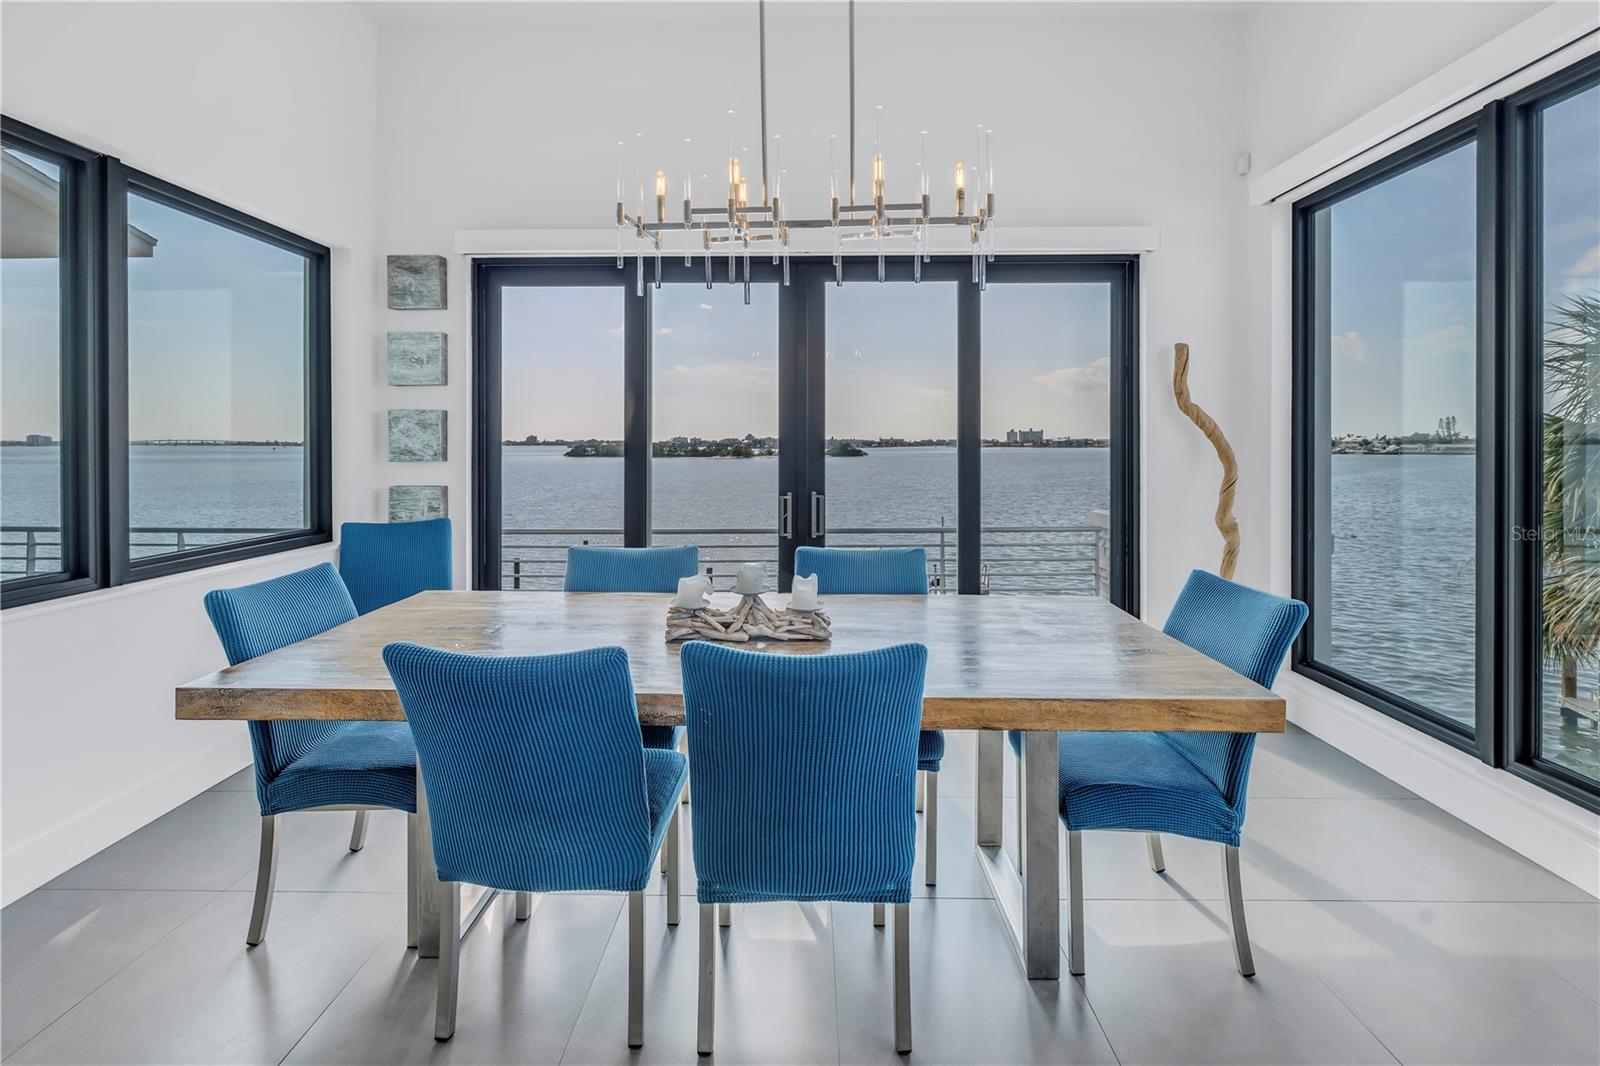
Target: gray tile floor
x=1384, y=931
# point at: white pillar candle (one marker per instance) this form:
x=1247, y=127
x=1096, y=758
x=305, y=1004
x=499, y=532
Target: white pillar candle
x=694, y=593
x=803, y=593
x=750, y=580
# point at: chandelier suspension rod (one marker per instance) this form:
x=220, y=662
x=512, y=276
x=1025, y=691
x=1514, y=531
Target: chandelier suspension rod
x=761, y=15
x=852, y=102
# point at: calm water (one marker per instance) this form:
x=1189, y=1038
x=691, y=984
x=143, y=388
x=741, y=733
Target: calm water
x=1402, y=592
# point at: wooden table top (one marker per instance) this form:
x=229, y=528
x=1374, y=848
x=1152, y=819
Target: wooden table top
x=994, y=662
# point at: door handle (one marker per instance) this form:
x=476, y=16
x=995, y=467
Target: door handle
x=819, y=515
x=786, y=515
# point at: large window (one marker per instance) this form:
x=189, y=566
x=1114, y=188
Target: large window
x=1393, y=338
x=1447, y=433
x=165, y=375
x=832, y=410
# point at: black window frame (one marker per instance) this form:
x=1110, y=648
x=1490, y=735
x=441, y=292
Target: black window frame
x=802, y=392
x=94, y=384
x=1508, y=236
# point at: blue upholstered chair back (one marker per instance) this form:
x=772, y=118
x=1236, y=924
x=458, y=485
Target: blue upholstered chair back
x=1246, y=630
x=252, y=620
x=804, y=772
x=383, y=562
x=591, y=569
x=533, y=766
x=865, y=571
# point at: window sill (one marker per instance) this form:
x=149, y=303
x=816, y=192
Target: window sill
x=309, y=555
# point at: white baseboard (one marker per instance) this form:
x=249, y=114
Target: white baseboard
x=31, y=863
x=1560, y=836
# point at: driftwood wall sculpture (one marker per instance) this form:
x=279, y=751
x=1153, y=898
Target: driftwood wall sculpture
x=1227, y=525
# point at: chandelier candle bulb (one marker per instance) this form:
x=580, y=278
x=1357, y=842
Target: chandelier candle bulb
x=961, y=189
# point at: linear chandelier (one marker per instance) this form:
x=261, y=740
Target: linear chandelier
x=738, y=227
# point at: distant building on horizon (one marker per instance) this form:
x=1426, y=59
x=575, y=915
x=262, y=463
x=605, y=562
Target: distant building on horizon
x=1024, y=436
x=39, y=439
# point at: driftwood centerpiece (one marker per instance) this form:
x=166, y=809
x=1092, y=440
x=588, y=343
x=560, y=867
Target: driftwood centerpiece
x=752, y=619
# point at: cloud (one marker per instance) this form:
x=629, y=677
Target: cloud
x=665, y=331
x=616, y=332
x=706, y=307
x=1587, y=266
x=1350, y=347
x=1095, y=377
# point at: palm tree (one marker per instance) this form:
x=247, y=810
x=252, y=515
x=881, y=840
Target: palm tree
x=1571, y=496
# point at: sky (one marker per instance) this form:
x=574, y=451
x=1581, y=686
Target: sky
x=890, y=350
x=1403, y=329
x=216, y=335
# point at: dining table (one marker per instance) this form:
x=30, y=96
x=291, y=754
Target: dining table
x=1038, y=664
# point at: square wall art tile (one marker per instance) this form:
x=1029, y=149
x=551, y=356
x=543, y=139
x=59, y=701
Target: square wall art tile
x=416, y=358
x=416, y=436
x=416, y=282
x=413, y=503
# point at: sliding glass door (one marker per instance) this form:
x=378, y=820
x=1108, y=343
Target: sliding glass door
x=832, y=410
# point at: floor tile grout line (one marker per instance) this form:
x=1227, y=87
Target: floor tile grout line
x=599, y=961
x=354, y=973
x=109, y=977
x=1309, y=968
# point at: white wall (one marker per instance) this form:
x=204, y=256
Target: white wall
x=1104, y=116
x=1311, y=68
x=268, y=108
x=1315, y=73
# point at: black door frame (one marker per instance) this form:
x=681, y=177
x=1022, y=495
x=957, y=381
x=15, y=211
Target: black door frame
x=802, y=390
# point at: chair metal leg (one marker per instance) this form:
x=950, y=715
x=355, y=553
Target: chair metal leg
x=358, y=832
x=708, y=978
x=413, y=922
x=444, y=1018
x=724, y=914
x=636, y=969
x=1158, y=861
x=683, y=746
x=930, y=865
x=922, y=790
x=266, y=877
x=902, y=977
x=672, y=846
x=524, y=906
x=1022, y=821
x=1075, y=902
x=1235, y=890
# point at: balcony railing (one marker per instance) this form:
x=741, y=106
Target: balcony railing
x=1041, y=559
x=29, y=550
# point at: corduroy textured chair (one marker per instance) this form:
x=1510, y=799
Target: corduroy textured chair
x=310, y=765
x=804, y=776
x=592, y=569
x=537, y=782
x=1192, y=784
x=886, y=572
x=384, y=562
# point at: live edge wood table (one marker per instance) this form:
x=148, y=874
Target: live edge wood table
x=1034, y=663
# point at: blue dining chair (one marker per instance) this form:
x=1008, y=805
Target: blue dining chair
x=385, y=562
x=804, y=773
x=537, y=782
x=311, y=765
x=1191, y=784
x=886, y=572
x=593, y=569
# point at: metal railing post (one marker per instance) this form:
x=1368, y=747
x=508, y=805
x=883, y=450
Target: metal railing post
x=32, y=552
x=942, y=575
